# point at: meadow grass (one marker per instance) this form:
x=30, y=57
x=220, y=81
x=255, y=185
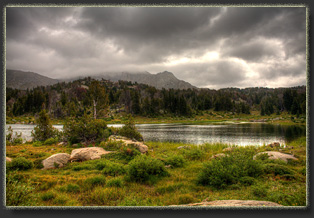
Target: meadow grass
x=116, y=180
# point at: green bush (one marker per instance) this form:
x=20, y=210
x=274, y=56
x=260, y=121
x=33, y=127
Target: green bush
x=19, y=192
x=129, y=130
x=175, y=161
x=47, y=196
x=95, y=181
x=44, y=129
x=111, y=168
x=277, y=169
x=144, y=168
x=220, y=173
x=111, y=145
x=169, y=188
x=10, y=140
x=186, y=199
x=85, y=129
x=260, y=191
x=38, y=163
x=129, y=152
x=73, y=188
x=82, y=167
x=20, y=163
x=51, y=141
x=37, y=144
x=115, y=182
x=247, y=180
x=193, y=154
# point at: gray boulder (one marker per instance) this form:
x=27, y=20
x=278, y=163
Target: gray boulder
x=56, y=160
x=275, y=155
x=139, y=145
x=220, y=155
x=90, y=153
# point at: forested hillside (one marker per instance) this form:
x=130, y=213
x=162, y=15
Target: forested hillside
x=106, y=99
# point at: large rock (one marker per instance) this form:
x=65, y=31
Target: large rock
x=91, y=153
x=60, y=159
x=217, y=156
x=139, y=145
x=7, y=159
x=234, y=203
x=229, y=149
x=275, y=155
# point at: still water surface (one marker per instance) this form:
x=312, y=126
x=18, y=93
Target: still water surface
x=240, y=133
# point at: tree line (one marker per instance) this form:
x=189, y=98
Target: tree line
x=102, y=98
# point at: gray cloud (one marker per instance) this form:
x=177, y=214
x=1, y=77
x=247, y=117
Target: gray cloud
x=206, y=46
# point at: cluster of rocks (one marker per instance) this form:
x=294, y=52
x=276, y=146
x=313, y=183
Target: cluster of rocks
x=126, y=141
x=80, y=154
x=273, y=155
x=84, y=154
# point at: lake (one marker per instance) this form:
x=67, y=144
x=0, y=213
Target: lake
x=230, y=133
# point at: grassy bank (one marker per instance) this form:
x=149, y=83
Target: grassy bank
x=206, y=117
x=110, y=181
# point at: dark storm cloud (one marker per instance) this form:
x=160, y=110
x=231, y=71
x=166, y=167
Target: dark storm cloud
x=206, y=46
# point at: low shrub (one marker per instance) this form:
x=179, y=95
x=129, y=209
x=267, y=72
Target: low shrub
x=95, y=181
x=175, y=161
x=115, y=182
x=186, y=199
x=82, y=167
x=51, y=141
x=37, y=144
x=104, y=196
x=72, y=188
x=20, y=163
x=277, y=169
x=114, y=169
x=144, y=168
x=129, y=152
x=48, y=196
x=19, y=192
x=247, y=180
x=193, y=154
x=38, y=163
x=260, y=191
x=219, y=173
x=169, y=188
x=13, y=140
x=111, y=145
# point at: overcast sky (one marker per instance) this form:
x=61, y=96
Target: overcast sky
x=213, y=47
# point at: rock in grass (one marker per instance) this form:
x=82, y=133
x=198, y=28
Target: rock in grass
x=56, y=160
x=139, y=145
x=234, y=203
x=183, y=147
x=90, y=153
x=7, y=159
x=274, y=145
x=228, y=149
x=216, y=156
x=275, y=155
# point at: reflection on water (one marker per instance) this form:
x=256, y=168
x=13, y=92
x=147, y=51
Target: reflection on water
x=240, y=134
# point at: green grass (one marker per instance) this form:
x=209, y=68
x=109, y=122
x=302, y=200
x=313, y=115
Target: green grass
x=106, y=181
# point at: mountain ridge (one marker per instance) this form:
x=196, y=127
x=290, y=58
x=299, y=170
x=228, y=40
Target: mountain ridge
x=23, y=79
x=19, y=79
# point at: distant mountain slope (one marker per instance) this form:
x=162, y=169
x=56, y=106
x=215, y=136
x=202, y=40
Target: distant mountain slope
x=160, y=80
x=23, y=80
